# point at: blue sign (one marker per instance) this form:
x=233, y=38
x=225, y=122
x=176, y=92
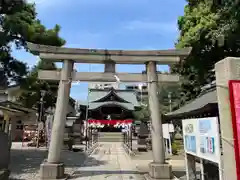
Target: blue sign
x=204, y=126
x=190, y=143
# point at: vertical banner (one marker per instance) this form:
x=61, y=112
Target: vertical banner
x=234, y=92
x=49, y=123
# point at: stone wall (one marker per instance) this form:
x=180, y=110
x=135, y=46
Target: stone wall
x=4, y=155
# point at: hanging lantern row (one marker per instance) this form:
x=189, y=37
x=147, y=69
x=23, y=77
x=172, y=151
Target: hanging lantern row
x=124, y=124
x=96, y=125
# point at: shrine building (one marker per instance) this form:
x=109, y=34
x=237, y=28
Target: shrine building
x=111, y=108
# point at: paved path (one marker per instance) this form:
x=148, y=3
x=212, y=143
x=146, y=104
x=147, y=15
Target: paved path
x=109, y=162
x=25, y=161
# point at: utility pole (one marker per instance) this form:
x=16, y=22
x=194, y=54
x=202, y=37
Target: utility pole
x=86, y=120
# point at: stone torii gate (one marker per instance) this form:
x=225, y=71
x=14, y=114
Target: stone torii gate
x=53, y=168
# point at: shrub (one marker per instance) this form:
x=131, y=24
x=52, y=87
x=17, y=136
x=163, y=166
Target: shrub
x=175, y=148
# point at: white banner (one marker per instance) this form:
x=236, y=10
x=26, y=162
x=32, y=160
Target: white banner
x=167, y=129
x=49, y=123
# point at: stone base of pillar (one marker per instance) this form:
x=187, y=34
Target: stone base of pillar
x=52, y=171
x=160, y=171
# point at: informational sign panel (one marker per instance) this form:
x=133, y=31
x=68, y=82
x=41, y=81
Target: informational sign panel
x=201, y=138
x=234, y=91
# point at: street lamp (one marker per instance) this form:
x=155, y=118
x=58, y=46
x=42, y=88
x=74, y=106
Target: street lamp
x=140, y=87
x=86, y=124
x=170, y=101
x=86, y=118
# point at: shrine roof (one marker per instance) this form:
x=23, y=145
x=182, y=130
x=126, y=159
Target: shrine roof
x=128, y=96
x=98, y=98
x=15, y=107
x=199, y=104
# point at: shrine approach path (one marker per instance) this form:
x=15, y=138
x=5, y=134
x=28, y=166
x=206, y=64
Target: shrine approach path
x=108, y=162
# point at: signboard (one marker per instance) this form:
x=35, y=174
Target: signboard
x=167, y=129
x=201, y=138
x=234, y=91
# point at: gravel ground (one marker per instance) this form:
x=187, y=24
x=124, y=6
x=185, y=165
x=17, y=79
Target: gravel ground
x=25, y=161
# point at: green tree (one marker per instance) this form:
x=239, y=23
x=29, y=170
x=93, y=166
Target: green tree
x=142, y=115
x=212, y=29
x=166, y=93
x=32, y=86
x=19, y=24
x=163, y=95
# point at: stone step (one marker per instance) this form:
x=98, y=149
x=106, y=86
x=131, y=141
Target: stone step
x=110, y=134
x=110, y=140
x=110, y=137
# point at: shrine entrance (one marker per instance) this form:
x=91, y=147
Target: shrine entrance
x=111, y=110
x=110, y=125
x=109, y=128
x=53, y=168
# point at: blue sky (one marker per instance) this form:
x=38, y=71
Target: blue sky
x=110, y=24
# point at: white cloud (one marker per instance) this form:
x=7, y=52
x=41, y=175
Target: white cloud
x=83, y=39
x=68, y=3
x=37, y=2
x=47, y=4
x=160, y=27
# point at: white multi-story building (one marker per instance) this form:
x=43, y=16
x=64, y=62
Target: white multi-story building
x=141, y=89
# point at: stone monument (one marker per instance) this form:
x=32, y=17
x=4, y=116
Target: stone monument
x=142, y=137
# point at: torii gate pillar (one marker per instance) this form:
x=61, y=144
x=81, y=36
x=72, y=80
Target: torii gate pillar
x=158, y=169
x=53, y=167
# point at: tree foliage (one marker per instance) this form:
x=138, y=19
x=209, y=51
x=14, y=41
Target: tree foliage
x=167, y=93
x=212, y=29
x=18, y=25
x=32, y=87
x=163, y=95
x=142, y=115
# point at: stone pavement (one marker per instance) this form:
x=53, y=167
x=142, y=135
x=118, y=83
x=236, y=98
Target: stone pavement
x=25, y=161
x=108, y=162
